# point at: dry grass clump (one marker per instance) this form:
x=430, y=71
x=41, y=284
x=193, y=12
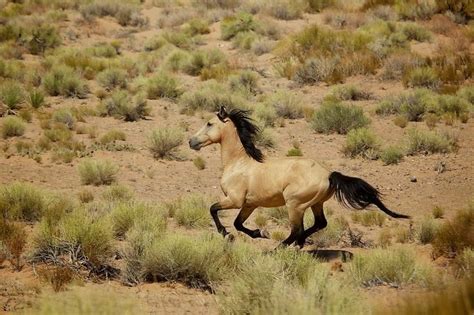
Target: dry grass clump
x=11, y=94
x=437, y=212
x=464, y=263
x=35, y=98
x=13, y=237
x=425, y=77
x=286, y=9
x=245, y=82
x=416, y=32
x=395, y=266
x=65, y=117
x=369, y=218
x=164, y=142
x=63, y=80
x=286, y=104
x=57, y=276
x=397, y=65
x=97, y=172
x=295, y=150
x=122, y=105
x=412, y=105
x=361, y=142
x=192, y=211
x=455, y=235
x=337, y=117
x=427, y=231
x=85, y=196
x=208, y=64
x=200, y=163
x=12, y=127
x=429, y=142
x=392, y=155
x=85, y=300
x=21, y=201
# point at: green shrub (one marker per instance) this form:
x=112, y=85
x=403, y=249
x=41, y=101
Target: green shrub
x=391, y=155
x=244, y=40
x=63, y=80
x=265, y=114
x=162, y=85
x=396, y=266
x=121, y=105
x=195, y=261
x=64, y=116
x=11, y=94
x=412, y=105
x=117, y=192
x=338, y=117
x=12, y=127
x=97, y=172
x=43, y=37
x=286, y=105
x=246, y=82
x=113, y=78
x=400, y=121
x=197, y=26
x=233, y=25
x=193, y=211
x=154, y=43
x=384, y=238
x=278, y=214
x=361, y=142
x=452, y=105
x=126, y=214
x=21, y=201
x=286, y=9
x=261, y=46
x=464, y=263
x=35, y=98
x=85, y=196
x=294, y=152
x=430, y=142
x=425, y=77
x=202, y=62
x=416, y=32
x=349, y=93
x=112, y=135
x=466, y=93
x=164, y=142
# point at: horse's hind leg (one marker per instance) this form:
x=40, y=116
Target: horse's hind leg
x=297, y=227
x=320, y=223
x=244, y=213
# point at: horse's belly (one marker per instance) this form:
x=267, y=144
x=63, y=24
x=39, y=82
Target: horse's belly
x=262, y=199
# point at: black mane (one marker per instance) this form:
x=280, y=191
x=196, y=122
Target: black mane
x=247, y=132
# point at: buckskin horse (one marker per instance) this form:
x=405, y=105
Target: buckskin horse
x=250, y=180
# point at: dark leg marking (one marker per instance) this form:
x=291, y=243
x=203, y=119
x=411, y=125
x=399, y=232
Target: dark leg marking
x=215, y=208
x=296, y=233
x=320, y=223
x=244, y=213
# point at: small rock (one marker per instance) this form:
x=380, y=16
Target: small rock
x=413, y=179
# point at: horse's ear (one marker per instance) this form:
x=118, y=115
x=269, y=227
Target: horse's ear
x=222, y=114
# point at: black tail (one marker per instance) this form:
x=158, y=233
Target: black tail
x=358, y=194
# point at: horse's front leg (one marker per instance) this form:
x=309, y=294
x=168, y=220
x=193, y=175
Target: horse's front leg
x=224, y=204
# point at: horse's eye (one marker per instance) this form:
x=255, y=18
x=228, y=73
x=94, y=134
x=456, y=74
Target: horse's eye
x=209, y=124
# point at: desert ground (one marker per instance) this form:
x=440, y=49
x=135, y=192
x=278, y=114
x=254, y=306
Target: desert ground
x=105, y=208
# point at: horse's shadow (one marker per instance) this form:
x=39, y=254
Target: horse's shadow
x=331, y=254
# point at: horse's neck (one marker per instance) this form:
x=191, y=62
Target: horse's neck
x=232, y=150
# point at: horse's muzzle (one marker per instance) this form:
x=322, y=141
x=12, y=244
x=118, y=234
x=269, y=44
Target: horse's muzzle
x=194, y=144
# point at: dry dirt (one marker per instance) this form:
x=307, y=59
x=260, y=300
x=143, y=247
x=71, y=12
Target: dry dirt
x=162, y=180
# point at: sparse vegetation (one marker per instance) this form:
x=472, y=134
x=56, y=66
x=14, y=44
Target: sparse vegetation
x=369, y=218
x=121, y=105
x=286, y=105
x=192, y=211
x=391, y=155
x=21, y=201
x=11, y=94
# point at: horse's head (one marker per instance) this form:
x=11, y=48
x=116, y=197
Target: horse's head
x=211, y=132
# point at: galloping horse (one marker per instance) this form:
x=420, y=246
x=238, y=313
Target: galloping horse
x=249, y=180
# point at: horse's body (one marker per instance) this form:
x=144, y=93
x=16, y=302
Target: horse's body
x=248, y=181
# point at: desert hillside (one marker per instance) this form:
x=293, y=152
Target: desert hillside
x=105, y=207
